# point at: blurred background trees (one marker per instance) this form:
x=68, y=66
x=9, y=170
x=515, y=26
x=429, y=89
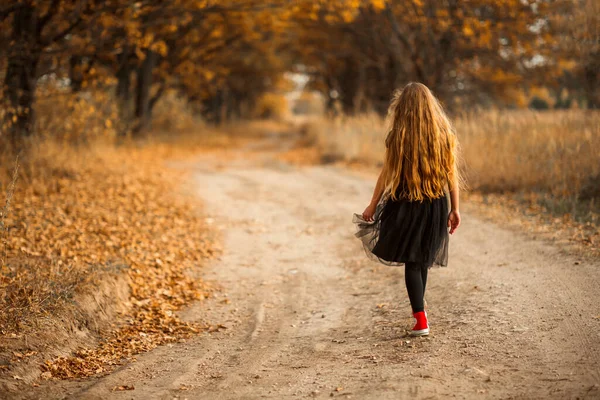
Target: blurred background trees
x=120, y=57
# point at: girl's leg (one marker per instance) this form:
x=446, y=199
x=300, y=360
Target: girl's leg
x=424, y=271
x=415, y=285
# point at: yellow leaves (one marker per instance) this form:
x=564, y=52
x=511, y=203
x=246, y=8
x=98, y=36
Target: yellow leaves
x=139, y=53
x=160, y=47
x=208, y=74
x=497, y=75
x=146, y=41
x=567, y=64
x=379, y=4
x=348, y=15
x=467, y=30
x=217, y=33
x=330, y=19
x=107, y=205
x=200, y=4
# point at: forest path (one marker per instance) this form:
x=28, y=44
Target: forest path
x=307, y=314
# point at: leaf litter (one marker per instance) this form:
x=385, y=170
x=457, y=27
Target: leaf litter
x=109, y=206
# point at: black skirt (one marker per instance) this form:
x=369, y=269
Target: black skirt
x=407, y=231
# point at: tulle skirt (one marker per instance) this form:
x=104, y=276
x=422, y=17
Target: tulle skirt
x=406, y=231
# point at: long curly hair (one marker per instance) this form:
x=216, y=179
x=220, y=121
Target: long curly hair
x=421, y=147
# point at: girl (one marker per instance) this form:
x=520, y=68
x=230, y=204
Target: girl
x=407, y=220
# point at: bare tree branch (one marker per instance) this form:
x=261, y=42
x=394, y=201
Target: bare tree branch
x=389, y=13
x=77, y=18
x=52, y=9
x=4, y=13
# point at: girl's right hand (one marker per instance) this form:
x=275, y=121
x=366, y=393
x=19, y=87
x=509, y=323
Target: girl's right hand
x=369, y=212
x=453, y=221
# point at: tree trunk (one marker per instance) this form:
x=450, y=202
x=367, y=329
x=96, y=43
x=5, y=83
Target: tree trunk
x=349, y=83
x=21, y=75
x=159, y=92
x=211, y=107
x=592, y=83
x=76, y=73
x=223, y=106
x=123, y=91
x=124, y=76
x=143, y=86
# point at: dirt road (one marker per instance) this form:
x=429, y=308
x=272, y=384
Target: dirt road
x=307, y=315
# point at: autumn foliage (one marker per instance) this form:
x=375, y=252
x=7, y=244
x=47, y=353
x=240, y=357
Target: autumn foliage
x=223, y=56
x=83, y=215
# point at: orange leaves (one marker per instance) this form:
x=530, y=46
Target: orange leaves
x=378, y=4
x=122, y=388
x=467, y=30
x=109, y=206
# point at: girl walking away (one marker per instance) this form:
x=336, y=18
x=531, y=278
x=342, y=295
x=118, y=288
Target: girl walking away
x=408, y=221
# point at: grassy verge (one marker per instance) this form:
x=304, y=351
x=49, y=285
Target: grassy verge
x=551, y=159
x=542, y=163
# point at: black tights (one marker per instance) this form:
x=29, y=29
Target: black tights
x=415, y=275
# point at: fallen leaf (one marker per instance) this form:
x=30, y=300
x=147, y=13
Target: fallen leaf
x=122, y=388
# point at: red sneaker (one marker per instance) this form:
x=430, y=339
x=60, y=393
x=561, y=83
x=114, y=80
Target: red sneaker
x=422, y=326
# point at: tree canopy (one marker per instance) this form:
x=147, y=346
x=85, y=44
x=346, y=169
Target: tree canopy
x=223, y=55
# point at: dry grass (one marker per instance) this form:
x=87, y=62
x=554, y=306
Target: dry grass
x=550, y=156
x=554, y=152
x=350, y=139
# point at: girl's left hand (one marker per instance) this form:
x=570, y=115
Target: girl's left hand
x=369, y=212
x=453, y=221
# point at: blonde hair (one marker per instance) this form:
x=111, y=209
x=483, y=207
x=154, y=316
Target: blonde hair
x=421, y=146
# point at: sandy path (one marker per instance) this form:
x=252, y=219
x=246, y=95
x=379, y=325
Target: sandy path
x=308, y=315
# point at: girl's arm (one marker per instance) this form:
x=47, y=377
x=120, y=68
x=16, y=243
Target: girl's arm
x=377, y=193
x=454, y=195
x=454, y=216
